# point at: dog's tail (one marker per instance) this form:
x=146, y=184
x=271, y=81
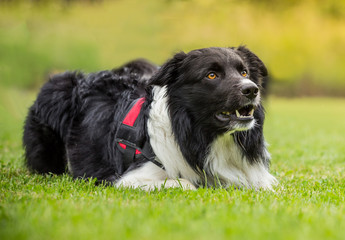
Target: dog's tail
x=47, y=123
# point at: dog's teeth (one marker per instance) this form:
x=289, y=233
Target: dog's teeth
x=251, y=113
x=238, y=114
x=226, y=113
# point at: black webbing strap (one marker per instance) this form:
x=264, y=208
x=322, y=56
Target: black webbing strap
x=133, y=145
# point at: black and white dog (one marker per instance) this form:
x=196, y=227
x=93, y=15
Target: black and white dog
x=197, y=121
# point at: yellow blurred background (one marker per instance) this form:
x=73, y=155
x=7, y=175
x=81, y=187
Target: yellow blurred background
x=301, y=42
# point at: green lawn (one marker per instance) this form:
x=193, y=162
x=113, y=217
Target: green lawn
x=306, y=139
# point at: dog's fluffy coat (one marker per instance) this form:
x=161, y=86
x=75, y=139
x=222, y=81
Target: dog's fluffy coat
x=197, y=116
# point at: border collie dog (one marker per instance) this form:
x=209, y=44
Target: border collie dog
x=195, y=121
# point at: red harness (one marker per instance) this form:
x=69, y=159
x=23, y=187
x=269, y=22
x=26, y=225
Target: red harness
x=131, y=141
x=131, y=117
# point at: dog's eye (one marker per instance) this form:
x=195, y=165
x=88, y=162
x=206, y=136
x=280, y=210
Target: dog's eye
x=211, y=75
x=244, y=73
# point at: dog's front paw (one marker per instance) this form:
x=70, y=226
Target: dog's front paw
x=179, y=183
x=152, y=185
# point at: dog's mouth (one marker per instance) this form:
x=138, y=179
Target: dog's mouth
x=243, y=114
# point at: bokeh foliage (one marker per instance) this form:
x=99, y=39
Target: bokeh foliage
x=301, y=42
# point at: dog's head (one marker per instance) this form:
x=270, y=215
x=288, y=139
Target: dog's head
x=219, y=88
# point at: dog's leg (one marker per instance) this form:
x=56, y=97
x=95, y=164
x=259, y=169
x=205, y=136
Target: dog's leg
x=149, y=177
x=180, y=182
x=47, y=125
x=44, y=148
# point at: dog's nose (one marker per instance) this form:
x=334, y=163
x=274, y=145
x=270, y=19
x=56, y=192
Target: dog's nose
x=250, y=90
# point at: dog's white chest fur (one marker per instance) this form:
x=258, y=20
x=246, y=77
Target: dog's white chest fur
x=163, y=141
x=226, y=162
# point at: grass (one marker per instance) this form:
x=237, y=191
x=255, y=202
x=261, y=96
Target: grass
x=306, y=141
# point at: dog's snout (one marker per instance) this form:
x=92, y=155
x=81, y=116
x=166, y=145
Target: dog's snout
x=250, y=90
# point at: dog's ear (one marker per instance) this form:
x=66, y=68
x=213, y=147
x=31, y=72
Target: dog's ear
x=168, y=73
x=257, y=69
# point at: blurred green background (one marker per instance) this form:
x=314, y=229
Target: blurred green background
x=301, y=42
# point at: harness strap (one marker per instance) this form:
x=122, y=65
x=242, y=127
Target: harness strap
x=133, y=113
x=131, y=143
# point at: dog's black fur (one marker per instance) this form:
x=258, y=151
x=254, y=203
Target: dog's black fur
x=75, y=117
